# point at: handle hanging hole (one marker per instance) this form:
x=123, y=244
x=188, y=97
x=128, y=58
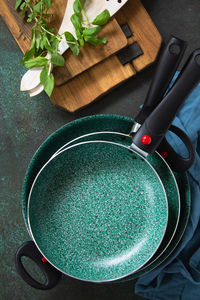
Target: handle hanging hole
x=33, y=269
x=174, y=49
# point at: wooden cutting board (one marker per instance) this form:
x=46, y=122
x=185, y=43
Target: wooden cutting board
x=87, y=82
x=90, y=55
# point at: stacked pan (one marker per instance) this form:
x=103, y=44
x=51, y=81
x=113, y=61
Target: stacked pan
x=106, y=198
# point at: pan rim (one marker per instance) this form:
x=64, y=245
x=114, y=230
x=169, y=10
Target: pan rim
x=179, y=211
x=29, y=200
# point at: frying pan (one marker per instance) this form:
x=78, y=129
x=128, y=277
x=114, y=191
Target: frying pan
x=54, y=142
x=109, y=211
x=149, y=127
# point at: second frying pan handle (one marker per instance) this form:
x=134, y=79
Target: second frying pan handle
x=167, y=65
x=153, y=130
x=176, y=162
x=30, y=250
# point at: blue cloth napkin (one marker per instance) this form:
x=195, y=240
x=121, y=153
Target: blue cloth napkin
x=179, y=276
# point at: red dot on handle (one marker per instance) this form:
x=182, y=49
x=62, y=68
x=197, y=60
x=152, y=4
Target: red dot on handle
x=146, y=139
x=44, y=260
x=164, y=154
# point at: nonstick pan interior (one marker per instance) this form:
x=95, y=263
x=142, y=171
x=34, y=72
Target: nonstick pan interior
x=98, y=236
x=166, y=175
x=102, y=123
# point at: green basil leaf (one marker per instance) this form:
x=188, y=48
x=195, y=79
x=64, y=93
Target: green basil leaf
x=69, y=36
x=57, y=59
x=82, y=3
x=76, y=21
x=42, y=44
x=46, y=42
x=32, y=38
x=54, y=45
x=50, y=85
x=17, y=4
x=48, y=3
x=22, y=6
x=102, y=18
x=95, y=41
x=37, y=7
x=91, y=31
x=52, y=38
x=47, y=80
x=36, y=62
x=44, y=75
x=80, y=37
x=38, y=38
x=23, y=11
x=77, y=7
x=74, y=46
x=29, y=20
x=32, y=15
x=28, y=55
x=74, y=49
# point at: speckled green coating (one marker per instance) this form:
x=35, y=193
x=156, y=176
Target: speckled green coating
x=64, y=135
x=101, y=123
x=166, y=177
x=95, y=214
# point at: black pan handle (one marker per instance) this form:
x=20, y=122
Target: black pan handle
x=153, y=130
x=176, y=162
x=169, y=60
x=30, y=250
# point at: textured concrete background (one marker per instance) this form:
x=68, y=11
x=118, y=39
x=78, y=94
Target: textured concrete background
x=24, y=125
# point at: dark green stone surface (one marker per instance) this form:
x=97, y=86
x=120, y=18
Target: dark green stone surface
x=26, y=123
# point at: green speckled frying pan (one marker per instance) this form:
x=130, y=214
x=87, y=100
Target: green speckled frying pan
x=176, y=225
x=94, y=213
x=69, y=132
x=166, y=175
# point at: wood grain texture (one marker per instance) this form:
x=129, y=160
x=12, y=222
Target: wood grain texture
x=145, y=32
x=90, y=55
x=90, y=85
x=103, y=76
x=16, y=27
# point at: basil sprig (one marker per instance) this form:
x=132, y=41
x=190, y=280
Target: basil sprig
x=44, y=40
